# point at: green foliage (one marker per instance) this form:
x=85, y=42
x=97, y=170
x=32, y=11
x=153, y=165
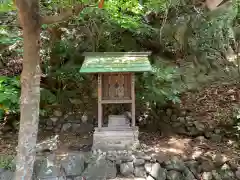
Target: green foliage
x=48, y=97
x=6, y=162
x=161, y=85
x=6, y=5
x=9, y=95
x=236, y=117
x=8, y=38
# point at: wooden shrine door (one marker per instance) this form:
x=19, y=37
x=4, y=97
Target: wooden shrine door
x=116, y=88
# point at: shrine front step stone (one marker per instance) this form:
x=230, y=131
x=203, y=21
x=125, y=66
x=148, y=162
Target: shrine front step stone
x=116, y=128
x=109, y=138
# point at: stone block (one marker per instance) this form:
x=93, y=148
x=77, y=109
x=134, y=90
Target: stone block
x=127, y=169
x=112, y=138
x=139, y=172
x=46, y=168
x=138, y=162
x=100, y=168
x=158, y=172
x=73, y=164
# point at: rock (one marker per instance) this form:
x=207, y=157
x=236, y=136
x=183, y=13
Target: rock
x=138, y=162
x=7, y=175
x=193, y=166
x=188, y=175
x=207, y=134
x=197, y=154
x=237, y=173
x=139, y=172
x=73, y=164
x=127, y=169
x=233, y=165
x=100, y=168
x=84, y=118
x=142, y=155
x=181, y=120
x=201, y=139
x=216, y=175
x=148, y=167
x=57, y=130
x=181, y=130
x=109, y=157
x=150, y=178
x=160, y=157
x=57, y=113
x=169, y=112
x=66, y=127
x=124, y=158
x=86, y=128
x=176, y=125
x=49, y=128
x=49, y=123
x=226, y=172
x=217, y=131
x=158, y=173
x=189, y=120
x=75, y=101
x=207, y=176
x=6, y=128
x=193, y=131
x=207, y=166
x=200, y=127
x=54, y=119
x=46, y=168
x=174, y=175
x=2, y=170
x=219, y=159
x=225, y=167
x=175, y=164
x=76, y=127
x=78, y=178
x=174, y=118
x=216, y=138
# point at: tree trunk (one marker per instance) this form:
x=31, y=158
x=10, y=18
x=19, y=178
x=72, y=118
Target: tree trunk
x=28, y=13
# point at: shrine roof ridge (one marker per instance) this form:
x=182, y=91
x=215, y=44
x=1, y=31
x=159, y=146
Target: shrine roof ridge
x=113, y=54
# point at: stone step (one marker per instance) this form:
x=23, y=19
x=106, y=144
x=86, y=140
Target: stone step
x=116, y=128
x=119, y=178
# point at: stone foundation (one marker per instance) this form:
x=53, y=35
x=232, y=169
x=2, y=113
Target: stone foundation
x=129, y=164
x=112, y=138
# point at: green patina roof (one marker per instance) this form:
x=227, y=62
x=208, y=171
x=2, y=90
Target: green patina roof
x=116, y=62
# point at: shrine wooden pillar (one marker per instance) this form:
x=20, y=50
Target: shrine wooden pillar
x=100, y=114
x=133, y=109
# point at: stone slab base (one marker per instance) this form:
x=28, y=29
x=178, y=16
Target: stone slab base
x=115, y=138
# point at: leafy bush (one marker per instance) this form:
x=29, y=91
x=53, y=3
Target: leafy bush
x=9, y=95
x=6, y=162
x=161, y=85
x=236, y=117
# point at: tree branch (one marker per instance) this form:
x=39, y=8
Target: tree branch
x=214, y=4
x=63, y=16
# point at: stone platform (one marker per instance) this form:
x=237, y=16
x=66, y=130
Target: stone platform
x=115, y=138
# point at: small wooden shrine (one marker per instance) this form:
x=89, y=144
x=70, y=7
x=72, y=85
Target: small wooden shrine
x=116, y=85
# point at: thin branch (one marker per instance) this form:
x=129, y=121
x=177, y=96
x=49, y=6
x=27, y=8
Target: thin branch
x=63, y=16
x=213, y=4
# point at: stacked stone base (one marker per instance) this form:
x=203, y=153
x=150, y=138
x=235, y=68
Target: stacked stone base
x=129, y=165
x=115, y=138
